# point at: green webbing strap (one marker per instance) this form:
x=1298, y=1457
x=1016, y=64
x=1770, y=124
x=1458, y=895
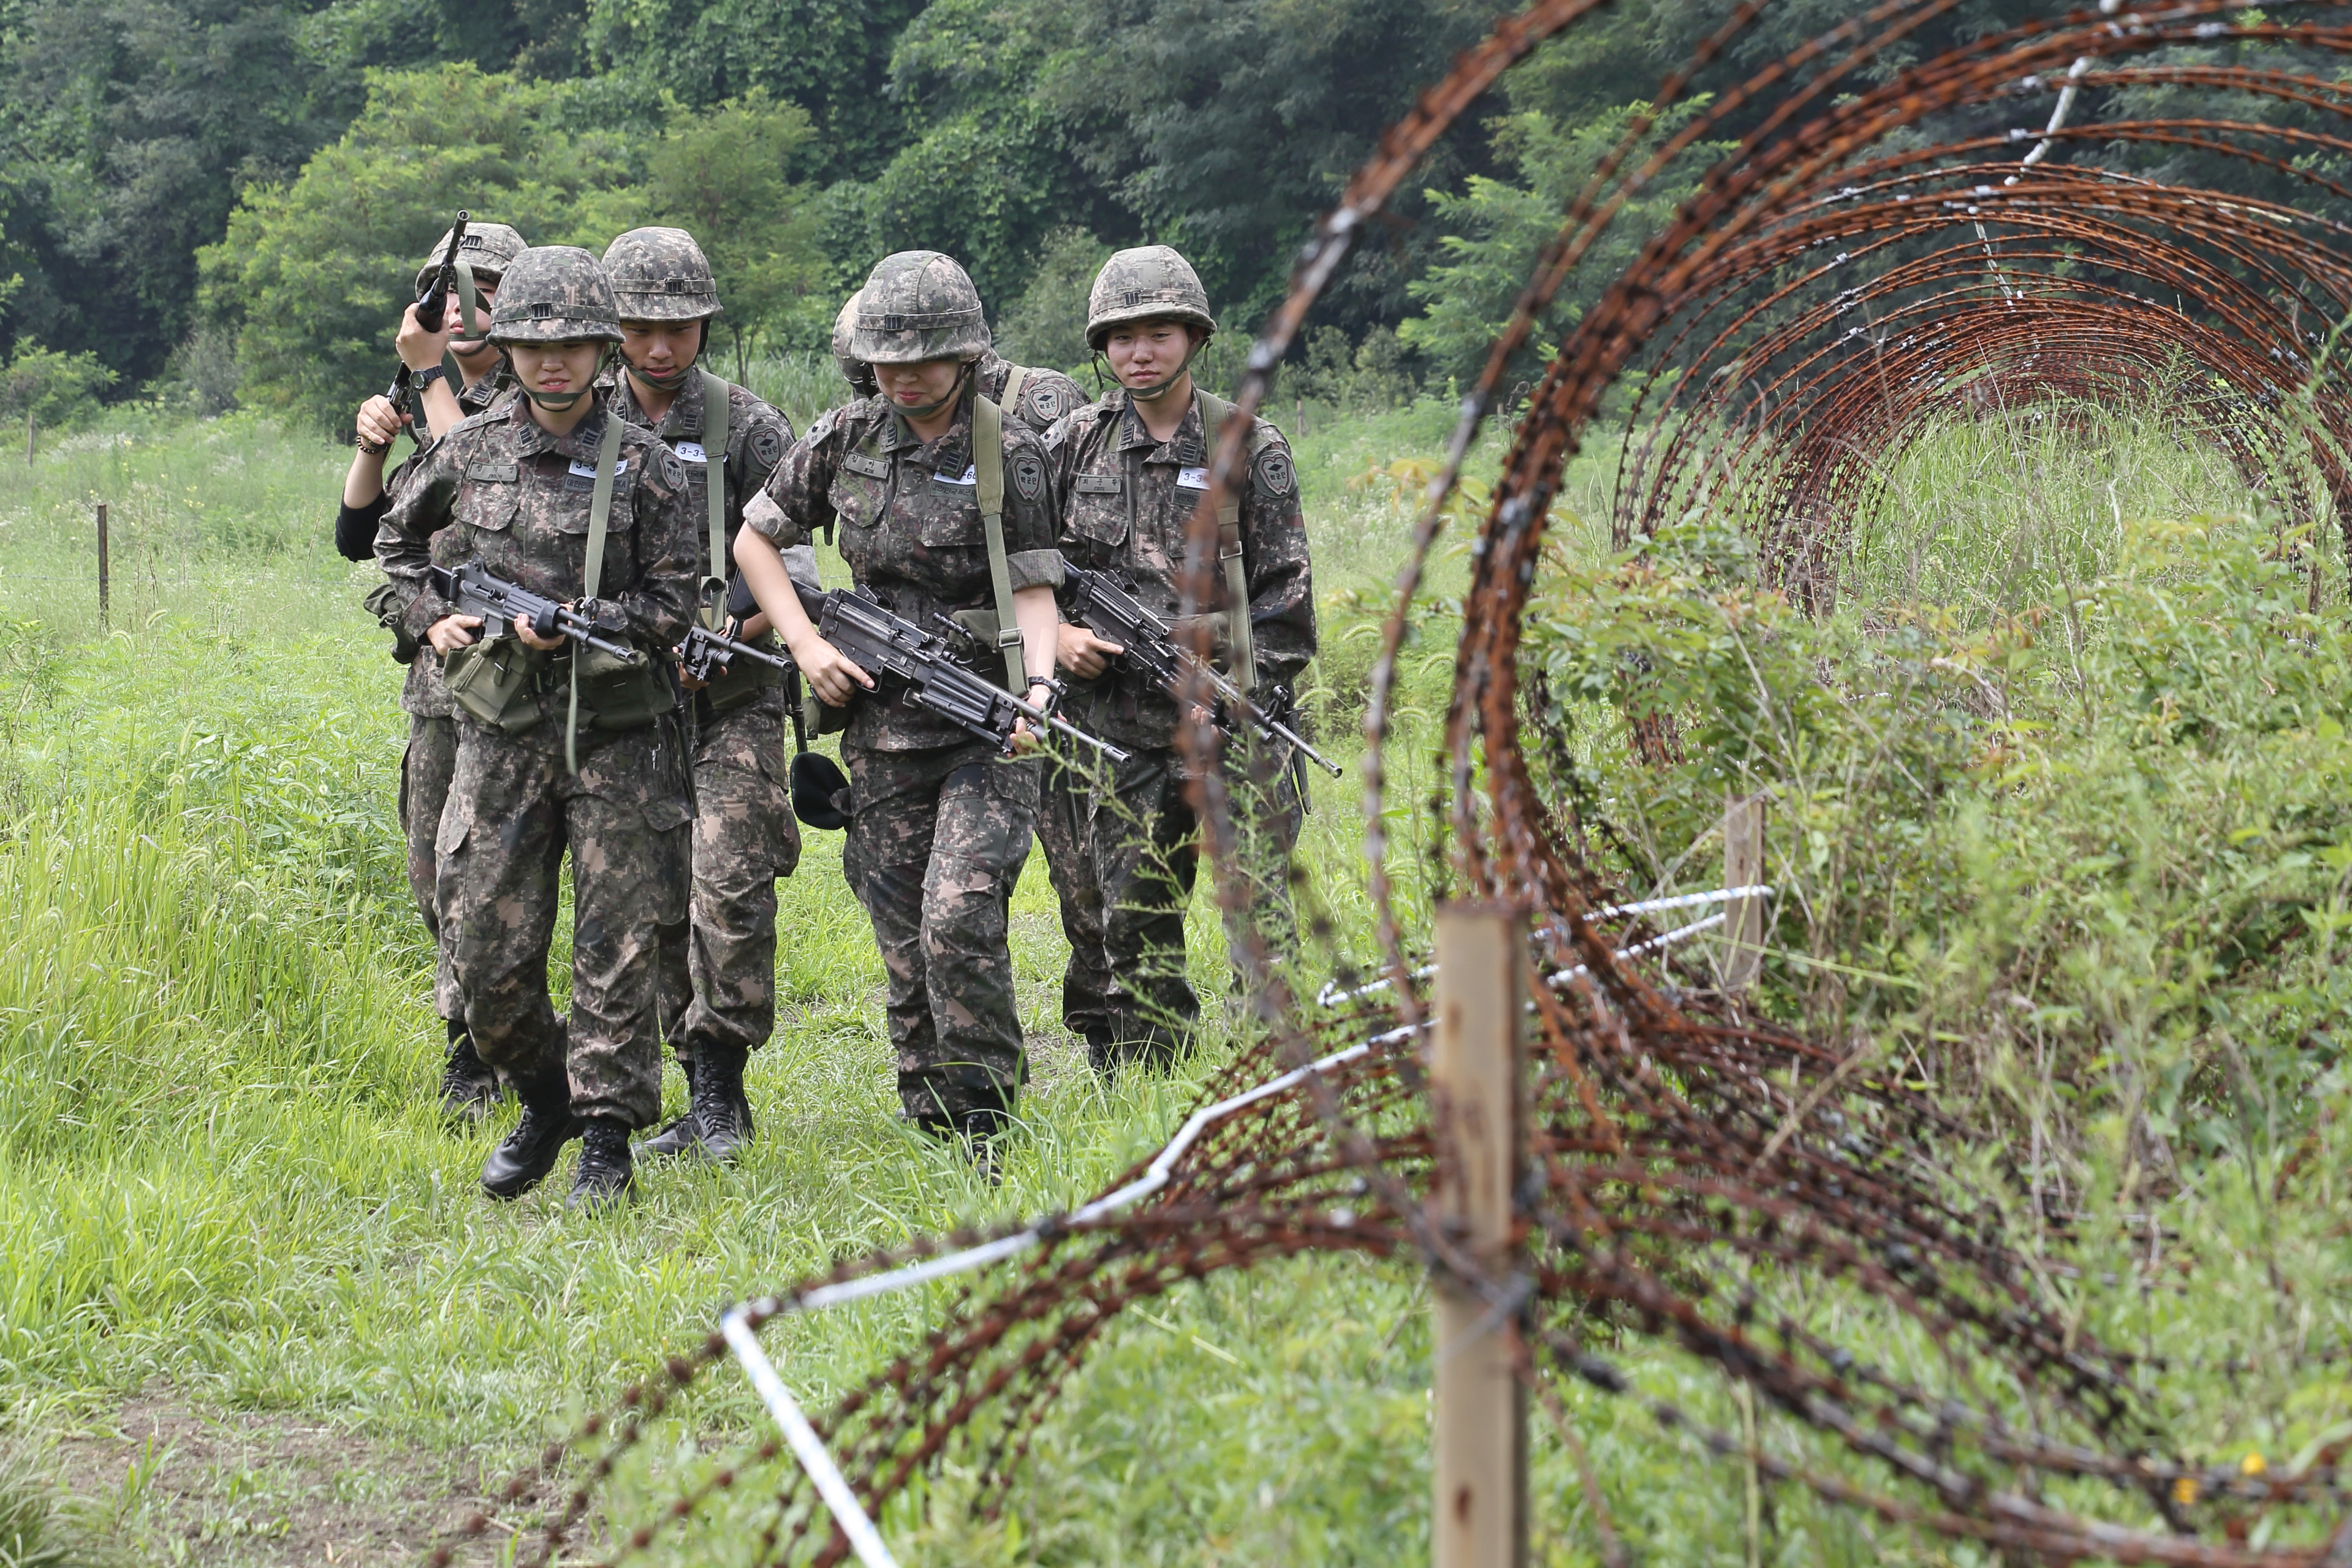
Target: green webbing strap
x=988, y=469
x=1015, y=380
x=600, y=512
x=1214, y=411
x=472, y=325
x=714, y=481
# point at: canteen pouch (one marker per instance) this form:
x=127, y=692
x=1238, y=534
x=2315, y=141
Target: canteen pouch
x=616, y=696
x=496, y=680
x=383, y=603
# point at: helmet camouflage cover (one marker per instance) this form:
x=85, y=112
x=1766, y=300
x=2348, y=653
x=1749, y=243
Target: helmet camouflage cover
x=855, y=370
x=488, y=248
x=661, y=275
x=918, y=305
x=555, y=294
x=1149, y=282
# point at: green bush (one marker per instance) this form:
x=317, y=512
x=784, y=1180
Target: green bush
x=57, y=390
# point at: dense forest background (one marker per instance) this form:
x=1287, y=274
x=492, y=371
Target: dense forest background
x=222, y=200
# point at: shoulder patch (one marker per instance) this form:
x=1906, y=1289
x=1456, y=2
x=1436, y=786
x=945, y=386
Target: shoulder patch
x=673, y=467
x=767, y=444
x=1029, y=476
x=821, y=426
x=1274, y=473
x=1045, y=403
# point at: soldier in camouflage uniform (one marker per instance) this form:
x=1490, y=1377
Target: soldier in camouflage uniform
x=718, y=971
x=940, y=825
x=558, y=749
x=468, y=1087
x=1039, y=397
x=1122, y=848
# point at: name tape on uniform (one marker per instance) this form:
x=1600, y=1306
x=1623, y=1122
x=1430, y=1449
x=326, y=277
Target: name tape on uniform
x=690, y=451
x=588, y=470
x=970, y=477
x=1192, y=478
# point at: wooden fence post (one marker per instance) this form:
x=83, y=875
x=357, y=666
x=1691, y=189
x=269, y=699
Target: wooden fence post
x=1743, y=866
x=1480, y=1517
x=28, y=438
x=102, y=586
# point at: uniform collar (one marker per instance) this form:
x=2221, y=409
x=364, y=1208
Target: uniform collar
x=1189, y=438
x=685, y=415
x=579, y=443
x=951, y=450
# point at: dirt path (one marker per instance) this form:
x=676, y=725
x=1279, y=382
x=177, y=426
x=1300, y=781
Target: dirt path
x=250, y=1491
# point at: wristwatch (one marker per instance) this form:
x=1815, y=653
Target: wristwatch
x=427, y=377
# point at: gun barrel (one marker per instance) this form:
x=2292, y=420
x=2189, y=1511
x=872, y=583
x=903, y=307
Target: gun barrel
x=1297, y=742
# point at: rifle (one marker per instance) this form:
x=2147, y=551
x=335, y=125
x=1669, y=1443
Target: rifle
x=1110, y=613
x=430, y=306
x=706, y=654
x=880, y=644
x=590, y=622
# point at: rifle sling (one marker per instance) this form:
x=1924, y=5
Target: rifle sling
x=1214, y=411
x=714, y=482
x=600, y=513
x=988, y=467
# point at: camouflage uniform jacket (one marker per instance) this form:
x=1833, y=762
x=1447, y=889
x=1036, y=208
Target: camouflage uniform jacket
x=1126, y=502
x=910, y=531
x=1046, y=395
x=422, y=694
x=501, y=486
x=757, y=439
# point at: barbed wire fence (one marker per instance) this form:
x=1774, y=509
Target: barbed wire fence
x=1887, y=246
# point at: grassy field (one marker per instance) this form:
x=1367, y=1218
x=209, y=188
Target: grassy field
x=254, y=1310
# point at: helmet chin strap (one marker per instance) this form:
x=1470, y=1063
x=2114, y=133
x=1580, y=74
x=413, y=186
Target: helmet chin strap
x=557, y=402
x=955, y=392
x=673, y=380
x=1153, y=394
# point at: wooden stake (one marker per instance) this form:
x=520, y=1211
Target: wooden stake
x=1480, y=1516
x=29, y=437
x=1743, y=866
x=103, y=586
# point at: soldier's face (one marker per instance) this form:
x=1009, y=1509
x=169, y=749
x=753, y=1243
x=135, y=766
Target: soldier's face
x=1146, y=354
x=661, y=347
x=920, y=384
x=556, y=368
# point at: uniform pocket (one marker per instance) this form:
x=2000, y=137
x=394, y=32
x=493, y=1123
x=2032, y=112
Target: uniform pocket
x=858, y=502
x=666, y=813
x=457, y=822
x=1096, y=514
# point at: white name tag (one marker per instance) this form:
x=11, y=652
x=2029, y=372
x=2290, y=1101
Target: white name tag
x=588, y=470
x=1192, y=478
x=691, y=451
x=970, y=477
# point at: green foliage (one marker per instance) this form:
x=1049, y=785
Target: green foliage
x=40, y=1527
x=55, y=388
x=1495, y=228
x=1047, y=324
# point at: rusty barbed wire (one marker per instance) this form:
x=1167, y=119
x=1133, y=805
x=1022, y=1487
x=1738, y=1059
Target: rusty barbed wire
x=1869, y=260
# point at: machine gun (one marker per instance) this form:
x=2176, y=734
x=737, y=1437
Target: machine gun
x=431, y=305
x=1098, y=602
x=592, y=622
x=706, y=654
x=880, y=644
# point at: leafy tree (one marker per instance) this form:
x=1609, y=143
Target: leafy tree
x=720, y=176
x=313, y=272
x=55, y=388
x=1047, y=325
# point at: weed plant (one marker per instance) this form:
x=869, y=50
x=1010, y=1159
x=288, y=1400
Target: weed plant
x=2070, y=851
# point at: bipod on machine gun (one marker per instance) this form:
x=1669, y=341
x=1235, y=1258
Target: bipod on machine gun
x=1103, y=606
x=592, y=622
x=431, y=305
x=882, y=644
x=708, y=655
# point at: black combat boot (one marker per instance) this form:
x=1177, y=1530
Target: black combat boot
x=531, y=1151
x=723, y=1115
x=607, y=1177
x=981, y=1127
x=678, y=1137
x=468, y=1087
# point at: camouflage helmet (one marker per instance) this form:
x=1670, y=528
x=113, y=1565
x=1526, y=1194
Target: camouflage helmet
x=855, y=370
x=660, y=275
x=555, y=294
x=1149, y=282
x=488, y=248
x=918, y=305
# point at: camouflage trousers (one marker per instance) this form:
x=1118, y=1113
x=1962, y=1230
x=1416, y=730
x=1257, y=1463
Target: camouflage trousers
x=718, y=969
x=512, y=813
x=1122, y=844
x=936, y=845
x=425, y=772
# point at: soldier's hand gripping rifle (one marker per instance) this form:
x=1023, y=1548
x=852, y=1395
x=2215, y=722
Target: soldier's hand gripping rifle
x=592, y=622
x=1098, y=603
x=880, y=644
x=431, y=305
x=706, y=654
